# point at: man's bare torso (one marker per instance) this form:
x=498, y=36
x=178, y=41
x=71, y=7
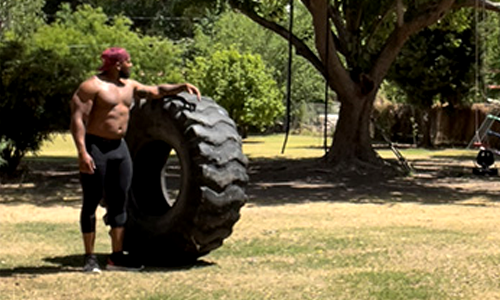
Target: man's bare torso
x=110, y=110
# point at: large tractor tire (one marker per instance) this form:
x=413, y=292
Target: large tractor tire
x=189, y=179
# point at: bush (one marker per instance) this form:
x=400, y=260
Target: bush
x=39, y=73
x=33, y=99
x=242, y=85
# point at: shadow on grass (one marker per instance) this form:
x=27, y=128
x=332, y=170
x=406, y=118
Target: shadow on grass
x=49, y=181
x=44, y=181
x=74, y=263
x=252, y=142
x=33, y=271
x=436, y=181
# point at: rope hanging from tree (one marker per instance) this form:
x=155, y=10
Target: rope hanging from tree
x=479, y=92
x=289, y=80
x=327, y=54
x=289, y=77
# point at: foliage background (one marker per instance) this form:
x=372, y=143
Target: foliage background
x=56, y=44
x=57, y=55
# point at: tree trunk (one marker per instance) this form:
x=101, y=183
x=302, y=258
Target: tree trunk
x=351, y=147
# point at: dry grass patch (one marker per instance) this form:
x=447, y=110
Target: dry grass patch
x=294, y=251
x=278, y=250
x=30, y=213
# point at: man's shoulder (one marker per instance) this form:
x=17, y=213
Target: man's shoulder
x=89, y=82
x=91, y=85
x=131, y=82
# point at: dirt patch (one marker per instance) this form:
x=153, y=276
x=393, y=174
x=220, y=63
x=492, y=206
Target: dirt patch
x=55, y=181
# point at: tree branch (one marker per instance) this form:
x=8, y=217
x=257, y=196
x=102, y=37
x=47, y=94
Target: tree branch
x=380, y=21
x=343, y=35
x=300, y=47
x=400, y=12
x=430, y=15
x=338, y=77
x=488, y=5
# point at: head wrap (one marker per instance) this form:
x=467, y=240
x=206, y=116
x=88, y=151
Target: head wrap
x=111, y=56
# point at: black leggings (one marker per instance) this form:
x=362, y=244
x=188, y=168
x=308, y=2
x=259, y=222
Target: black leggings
x=111, y=181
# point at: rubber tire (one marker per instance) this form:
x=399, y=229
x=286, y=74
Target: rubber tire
x=212, y=179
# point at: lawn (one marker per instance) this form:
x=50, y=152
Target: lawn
x=329, y=247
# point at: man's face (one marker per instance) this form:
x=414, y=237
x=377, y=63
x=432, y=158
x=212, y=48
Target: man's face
x=125, y=68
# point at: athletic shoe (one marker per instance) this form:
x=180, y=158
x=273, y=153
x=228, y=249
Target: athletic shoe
x=119, y=261
x=91, y=264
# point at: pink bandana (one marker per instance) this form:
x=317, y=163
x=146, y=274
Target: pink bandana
x=111, y=56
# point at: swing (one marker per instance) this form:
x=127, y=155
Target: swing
x=289, y=82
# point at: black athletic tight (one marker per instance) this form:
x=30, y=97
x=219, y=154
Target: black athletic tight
x=111, y=181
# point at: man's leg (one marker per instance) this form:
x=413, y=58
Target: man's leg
x=92, y=193
x=118, y=260
x=117, y=239
x=88, y=242
x=91, y=265
x=118, y=181
x=92, y=187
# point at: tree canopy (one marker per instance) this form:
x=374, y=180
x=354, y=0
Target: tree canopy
x=21, y=18
x=351, y=44
x=174, y=19
x=438, y=64
x=232, y=30
x=40, y=72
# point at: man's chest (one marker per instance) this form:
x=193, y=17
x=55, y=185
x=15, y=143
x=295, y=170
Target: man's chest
x=111, y=96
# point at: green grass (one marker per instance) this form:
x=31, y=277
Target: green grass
x=270, y=146
x=387, y=285
x=59, y=145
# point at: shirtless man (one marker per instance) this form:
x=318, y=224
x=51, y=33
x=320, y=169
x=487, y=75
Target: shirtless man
x=100, y=110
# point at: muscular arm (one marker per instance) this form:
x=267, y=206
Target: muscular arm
x=81, y=105
x=162, y=90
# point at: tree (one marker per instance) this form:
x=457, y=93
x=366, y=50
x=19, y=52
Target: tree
x=18, y=19
x=32, y=103
x=174, y=19
x=489, y=41
x=84, y=33
x=355, y=44
x=39, y=73
x=21, y=18
x=438, y=65
x=242, y=85
x=231, y=30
